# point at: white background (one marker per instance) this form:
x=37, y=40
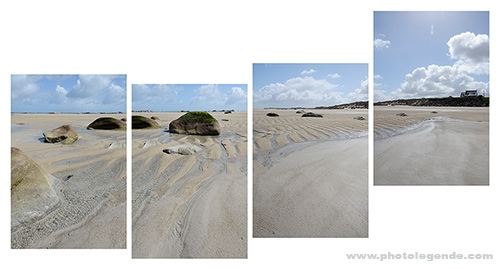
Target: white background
x=217, y=42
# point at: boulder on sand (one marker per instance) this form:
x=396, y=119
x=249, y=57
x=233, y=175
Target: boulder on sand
x=32, y=193
x=195, y=123
x=64, y=134
x=107, y=123
x=140, y=122
x=182, y=149
x=272, y=114
x=311, y=114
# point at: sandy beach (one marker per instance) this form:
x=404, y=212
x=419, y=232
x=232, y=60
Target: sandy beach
x=431, y=145
x=310, y=174
x=91, y=212
x=190, y=206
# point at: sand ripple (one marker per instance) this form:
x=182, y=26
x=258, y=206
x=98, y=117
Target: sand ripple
x=273, y=132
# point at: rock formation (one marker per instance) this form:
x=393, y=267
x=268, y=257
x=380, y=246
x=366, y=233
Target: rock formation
x=107, y=123
x=195, y=123
x=64, y=134
x=32, y=193
x=311, y=114
x=140, y=122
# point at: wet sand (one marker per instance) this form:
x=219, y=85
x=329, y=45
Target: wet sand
x=190, y=206
x=92, y=208
x=448, y=147
x=310, y=174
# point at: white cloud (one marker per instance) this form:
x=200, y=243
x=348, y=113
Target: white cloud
x=336, y=75
x=115, y=94
x=378, y=77
x=61, y=90
x=472, y=54
x=469, y=47
x=211, y=97
x=89, y=86
x=208, y=93
x=145, y=93
x=307, y=72
x=298, y=91
x=438, y=81
x=381, y=44
x=360, y=94
x=236, y=96
x=23, y=86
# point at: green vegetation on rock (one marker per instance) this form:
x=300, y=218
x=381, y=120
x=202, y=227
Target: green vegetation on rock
x=197, y=116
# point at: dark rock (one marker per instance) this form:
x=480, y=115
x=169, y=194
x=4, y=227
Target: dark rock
x=272, y=114
x=227, y=112
x=140, y=122
x=401, y=114
x=300, y=112
x=107, y=123
x=195, y=123
x=155, y=118
x=311, y=114
x=359, y=118
x=64, y=134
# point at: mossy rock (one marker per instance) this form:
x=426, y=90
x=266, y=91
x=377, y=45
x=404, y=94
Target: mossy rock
x=140, y=122
x=197, y=116
x=107, y=123
x=195, y=123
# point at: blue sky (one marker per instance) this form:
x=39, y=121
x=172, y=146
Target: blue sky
x=430, y=54
x=68, y=93
x=193, y=97
x=308, y=85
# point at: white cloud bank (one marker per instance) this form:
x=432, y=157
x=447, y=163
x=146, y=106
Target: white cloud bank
x=472, y=54
x=89, y=93
x=210, y=97
x=306, y=92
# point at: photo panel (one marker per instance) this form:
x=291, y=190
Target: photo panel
x=68, y=161
x=431, y=98
x=310, y=142
x=189, y=170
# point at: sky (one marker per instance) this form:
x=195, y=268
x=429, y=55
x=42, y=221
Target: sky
x=430, y=54
x=68, y=93
x=308, y=85
x=192, y=97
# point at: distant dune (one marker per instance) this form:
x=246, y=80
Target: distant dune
x=478, y=101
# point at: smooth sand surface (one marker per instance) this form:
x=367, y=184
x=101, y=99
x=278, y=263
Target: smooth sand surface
x=450, y=147
x=190, y=206
x=92, y=211
x=314, y=183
